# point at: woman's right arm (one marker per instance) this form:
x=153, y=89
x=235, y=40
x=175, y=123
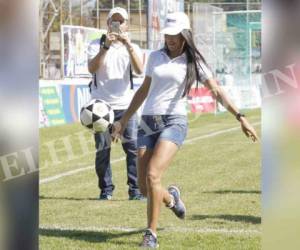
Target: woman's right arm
x=136, y=102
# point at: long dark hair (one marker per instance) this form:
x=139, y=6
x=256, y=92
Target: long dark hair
x=194, y=58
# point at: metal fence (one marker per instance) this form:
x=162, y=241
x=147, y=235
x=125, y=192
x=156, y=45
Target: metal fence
x=229, y=37
x=87, y=13
x=229, y=40
x=211, y=24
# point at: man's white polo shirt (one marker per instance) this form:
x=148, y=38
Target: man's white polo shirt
x=167, y=84
x=113, y=78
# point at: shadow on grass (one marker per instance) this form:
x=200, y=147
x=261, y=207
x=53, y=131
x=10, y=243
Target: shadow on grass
x=90, y=236
x=42, y=197
x=233, y=192
x=229, y=217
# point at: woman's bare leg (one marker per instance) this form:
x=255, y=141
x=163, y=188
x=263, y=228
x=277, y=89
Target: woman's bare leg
x=162, y=156
x=144, y=156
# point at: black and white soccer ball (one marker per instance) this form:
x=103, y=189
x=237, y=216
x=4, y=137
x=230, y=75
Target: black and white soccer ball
x=97, y=115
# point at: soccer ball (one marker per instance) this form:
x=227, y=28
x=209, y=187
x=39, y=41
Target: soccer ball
x=97, y=115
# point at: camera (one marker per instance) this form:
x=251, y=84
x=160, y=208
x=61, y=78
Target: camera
x=115, y=27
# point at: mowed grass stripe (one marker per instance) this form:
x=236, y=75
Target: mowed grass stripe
x=198, y=125
x=227, y=231
x=220, y=182
x=72, y=172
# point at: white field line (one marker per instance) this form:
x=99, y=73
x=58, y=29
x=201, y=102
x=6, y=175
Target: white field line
x=216, y=133
x=204, y=230
x=188, y=141
x=72, y=172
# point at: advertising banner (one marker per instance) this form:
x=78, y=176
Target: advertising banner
x=43, y=118
x=201, y=100
x=73, y=98
x=76, y=42
x=244, y=97
x=51, y=113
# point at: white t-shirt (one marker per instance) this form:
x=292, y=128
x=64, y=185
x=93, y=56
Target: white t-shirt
x=113, y=78
x=167, y=84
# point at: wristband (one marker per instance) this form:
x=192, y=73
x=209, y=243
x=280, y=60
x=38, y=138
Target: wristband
x=104, y=46
x=239, y=115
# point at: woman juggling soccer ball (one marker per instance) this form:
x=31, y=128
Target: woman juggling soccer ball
x=170, y=73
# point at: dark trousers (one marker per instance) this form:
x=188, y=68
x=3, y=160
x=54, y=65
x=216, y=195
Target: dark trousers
x=102, y=162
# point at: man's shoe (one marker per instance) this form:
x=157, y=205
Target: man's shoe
x=149, y=240
x=178, y=207
x=104, y=197
x=137, y=197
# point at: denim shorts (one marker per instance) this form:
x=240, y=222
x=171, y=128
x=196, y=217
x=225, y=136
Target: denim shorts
x=154, y=128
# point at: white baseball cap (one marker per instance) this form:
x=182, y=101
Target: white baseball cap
x=175, y=23
x=118, y=10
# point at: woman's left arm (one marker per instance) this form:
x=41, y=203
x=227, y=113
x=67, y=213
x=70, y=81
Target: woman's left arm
x=222, y=98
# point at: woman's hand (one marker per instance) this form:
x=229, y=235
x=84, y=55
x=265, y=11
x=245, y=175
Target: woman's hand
x=117, y=131
x=248, y=130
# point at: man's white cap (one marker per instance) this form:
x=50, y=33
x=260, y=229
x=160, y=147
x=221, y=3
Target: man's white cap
x=175, y=23
x=118, y=10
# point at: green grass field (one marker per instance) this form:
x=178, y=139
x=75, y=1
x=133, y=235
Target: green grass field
x=219, y=176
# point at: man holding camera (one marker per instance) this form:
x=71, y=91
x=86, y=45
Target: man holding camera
x=112, y=68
